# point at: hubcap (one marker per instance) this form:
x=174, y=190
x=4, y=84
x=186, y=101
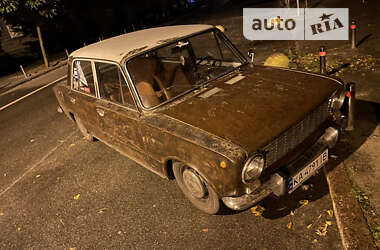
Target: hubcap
x=194, y=183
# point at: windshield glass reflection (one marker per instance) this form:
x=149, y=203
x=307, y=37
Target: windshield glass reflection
x=165, y=73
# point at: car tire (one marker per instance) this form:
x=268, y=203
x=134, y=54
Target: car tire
x=87, y=136
x=196, y=189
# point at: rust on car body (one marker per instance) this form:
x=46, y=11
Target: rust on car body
x=245, y=113
x=166, y=103
x=135, y=51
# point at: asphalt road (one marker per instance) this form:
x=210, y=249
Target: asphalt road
x=58, y=191
x=23, y=89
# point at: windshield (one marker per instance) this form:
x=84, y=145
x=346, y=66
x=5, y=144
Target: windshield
x=167, y=72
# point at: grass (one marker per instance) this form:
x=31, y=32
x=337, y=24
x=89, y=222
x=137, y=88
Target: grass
x=365, y=204
x=310, y=62
x=337, y=62
x=362, y=198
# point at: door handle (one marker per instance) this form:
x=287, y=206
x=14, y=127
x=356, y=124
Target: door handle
x=100, y=112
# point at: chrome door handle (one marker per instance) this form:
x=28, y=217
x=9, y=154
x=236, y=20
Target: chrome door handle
x=100, y=112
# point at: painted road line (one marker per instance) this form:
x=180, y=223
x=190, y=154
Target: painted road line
x=28, y=170
x=31, y=93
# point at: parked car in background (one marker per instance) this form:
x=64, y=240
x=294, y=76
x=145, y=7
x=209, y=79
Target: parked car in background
x=185, y=103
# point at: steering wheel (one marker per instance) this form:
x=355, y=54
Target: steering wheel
x=217, y=60
x=162, y=87
x=208, y=58
x=211, y=60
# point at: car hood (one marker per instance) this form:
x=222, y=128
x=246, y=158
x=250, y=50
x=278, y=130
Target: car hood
x=255, y=109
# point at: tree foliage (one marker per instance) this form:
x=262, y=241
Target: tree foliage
x=8, y=6
x=37, y=8
x=27, y=14
x=30, y=15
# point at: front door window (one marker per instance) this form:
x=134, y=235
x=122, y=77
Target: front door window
x=112, y=85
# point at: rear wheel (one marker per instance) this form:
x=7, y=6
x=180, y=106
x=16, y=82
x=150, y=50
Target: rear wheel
x=83, y=129
x=196, y=189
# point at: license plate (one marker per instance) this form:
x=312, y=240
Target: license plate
x=296, y=180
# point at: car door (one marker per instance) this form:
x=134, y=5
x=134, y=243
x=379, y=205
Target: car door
x=116, y=110
x=83, y=96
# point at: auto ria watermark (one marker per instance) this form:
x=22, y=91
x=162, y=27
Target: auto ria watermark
x=295, y=24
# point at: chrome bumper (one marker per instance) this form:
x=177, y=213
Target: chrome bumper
x=277, y=184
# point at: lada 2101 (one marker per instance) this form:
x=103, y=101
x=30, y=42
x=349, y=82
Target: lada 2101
x=183, y=102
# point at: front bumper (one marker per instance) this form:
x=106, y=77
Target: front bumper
x=277, y=184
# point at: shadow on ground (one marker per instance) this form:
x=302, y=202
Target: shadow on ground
x=367, y=117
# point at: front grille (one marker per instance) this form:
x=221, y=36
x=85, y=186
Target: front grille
x=296, y=134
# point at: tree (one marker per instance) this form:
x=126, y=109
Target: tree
x=38, y=10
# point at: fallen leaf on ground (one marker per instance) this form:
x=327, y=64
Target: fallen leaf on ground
x=32, y=140
x=102, y=210
x=315, y=241
x=321, y=233
x=1, y=214
x=72, y=145
x=330, y=213
x=309, y=226
x=319, y=216
x=328, y=223
x=257, y=210
x=289, y=225
x=61, y=141
x=76, y=197
x=19, y=229
x=38, y=176
x=72, y=248
x=291, y=213
x=303, y=202
x=205, y=229
x=322, y=230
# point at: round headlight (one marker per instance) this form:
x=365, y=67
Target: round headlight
x=253, y=168
x=336, y=102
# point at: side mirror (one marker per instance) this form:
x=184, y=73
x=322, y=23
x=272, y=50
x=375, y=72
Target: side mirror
x=251, y=55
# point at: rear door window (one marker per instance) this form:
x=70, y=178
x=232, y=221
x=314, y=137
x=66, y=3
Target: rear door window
x=83, y=78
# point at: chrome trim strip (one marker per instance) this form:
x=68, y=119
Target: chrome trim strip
x=310, y=73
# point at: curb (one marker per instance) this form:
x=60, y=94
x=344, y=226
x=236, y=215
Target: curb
x=352, y=225
x=13, y=85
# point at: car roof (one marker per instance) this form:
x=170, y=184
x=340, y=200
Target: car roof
x=125, y=46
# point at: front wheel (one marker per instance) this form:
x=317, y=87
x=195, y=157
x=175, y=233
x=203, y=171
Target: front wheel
x=196, y=189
